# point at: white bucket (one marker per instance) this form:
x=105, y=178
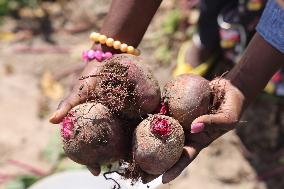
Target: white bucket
x=83, y=179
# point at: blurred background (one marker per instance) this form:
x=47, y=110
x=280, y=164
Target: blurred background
x=40, y=57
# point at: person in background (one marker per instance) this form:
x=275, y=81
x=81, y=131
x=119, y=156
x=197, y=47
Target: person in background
x=223, y=28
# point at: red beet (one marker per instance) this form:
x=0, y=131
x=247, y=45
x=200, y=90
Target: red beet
x=158, y=144
x=93, y=136
x=127, y=86
x=187, y=97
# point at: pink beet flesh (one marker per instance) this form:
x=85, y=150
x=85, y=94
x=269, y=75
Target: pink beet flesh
x=163, y=109
x=67, y=128
x=161, y=127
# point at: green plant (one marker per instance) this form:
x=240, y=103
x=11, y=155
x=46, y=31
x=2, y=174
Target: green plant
x=7, y=6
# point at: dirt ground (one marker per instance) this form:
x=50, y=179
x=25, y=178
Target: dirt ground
x=249, y=158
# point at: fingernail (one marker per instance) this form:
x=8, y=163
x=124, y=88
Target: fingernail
x=197, y=127
x=53, y=116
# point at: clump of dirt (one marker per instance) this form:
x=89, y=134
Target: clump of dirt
x=133, y=171
x=114, y=89
x=217, y=96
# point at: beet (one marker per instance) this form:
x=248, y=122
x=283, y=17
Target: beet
x=158, y=144
x=187, y=97
x=127, y=86
x=93, y=136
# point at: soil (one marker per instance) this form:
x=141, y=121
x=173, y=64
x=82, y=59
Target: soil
x=249, y=157
x=114, y=89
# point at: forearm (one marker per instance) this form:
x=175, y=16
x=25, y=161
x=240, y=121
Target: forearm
x=258, y=64
x=128, y=20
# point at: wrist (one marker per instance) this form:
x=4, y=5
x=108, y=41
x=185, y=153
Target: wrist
x=105, y=48
x=112, y=45
x=240, y=86
x=257, y=65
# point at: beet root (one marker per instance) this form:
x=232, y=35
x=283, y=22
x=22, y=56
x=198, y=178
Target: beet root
x=127, y=86
x=187, y=97
x=93, y=136
x=158, y=144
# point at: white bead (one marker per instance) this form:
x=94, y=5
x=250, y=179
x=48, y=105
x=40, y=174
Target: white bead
x=123, y=47
x=116, y=44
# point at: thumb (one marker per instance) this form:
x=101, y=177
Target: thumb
x=65, y=106
x=222, y=121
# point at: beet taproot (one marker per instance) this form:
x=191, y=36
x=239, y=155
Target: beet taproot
x=93, y=136
x=157, y=144
x=127, y=86
x=187, y=97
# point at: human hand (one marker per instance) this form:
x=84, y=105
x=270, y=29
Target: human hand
x=229, y=102
x=80, y=92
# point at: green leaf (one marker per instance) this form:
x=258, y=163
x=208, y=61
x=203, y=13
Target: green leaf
x=163, y=53
x=171, y=22
x=3, y=7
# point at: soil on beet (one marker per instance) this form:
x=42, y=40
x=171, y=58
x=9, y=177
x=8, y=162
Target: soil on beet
x=84, y=134
x=114, y=89
x=154, y=149
x=216, y=97
x=126, y=86
x=187, y=97
x=97, y=136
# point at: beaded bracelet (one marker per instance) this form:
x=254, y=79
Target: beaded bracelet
x=98, y=55
x=110, y=42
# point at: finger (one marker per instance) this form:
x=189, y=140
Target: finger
x=148, y=178
x=65, y=106
x=95, y=170
x=189, y=154
x=221, y=121
x=204, y=139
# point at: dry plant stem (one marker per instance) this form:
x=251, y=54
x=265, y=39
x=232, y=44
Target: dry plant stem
x=28, y=167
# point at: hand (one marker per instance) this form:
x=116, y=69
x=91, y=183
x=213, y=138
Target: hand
x=205, y=129
x=80, y=92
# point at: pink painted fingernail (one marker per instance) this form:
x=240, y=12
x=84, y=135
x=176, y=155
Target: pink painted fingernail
x=197, y=127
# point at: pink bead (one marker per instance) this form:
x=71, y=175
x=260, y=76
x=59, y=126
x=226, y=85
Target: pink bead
x=108, y=55
x=91, y=54
x=85, y=56
x=99, y=56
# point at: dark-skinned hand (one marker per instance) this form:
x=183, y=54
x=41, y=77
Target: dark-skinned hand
x=207, y=128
